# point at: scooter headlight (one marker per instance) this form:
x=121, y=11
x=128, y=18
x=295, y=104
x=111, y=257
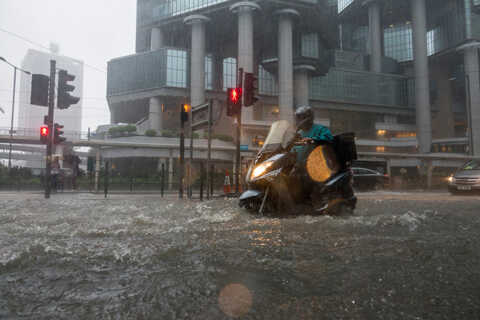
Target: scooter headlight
x=260, y=169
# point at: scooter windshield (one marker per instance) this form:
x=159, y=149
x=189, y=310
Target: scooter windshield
x=280, y=133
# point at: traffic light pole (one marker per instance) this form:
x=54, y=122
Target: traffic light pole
x=51, y=104
x=239, y=126
x=182, y=154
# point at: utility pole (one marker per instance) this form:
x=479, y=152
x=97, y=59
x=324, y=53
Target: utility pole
x=11, y=123
x=51, y=105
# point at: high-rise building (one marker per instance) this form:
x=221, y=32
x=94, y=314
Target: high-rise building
x=32, y=116
x=402, y=74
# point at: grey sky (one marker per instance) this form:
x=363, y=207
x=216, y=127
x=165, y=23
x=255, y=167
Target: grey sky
x=94, y=31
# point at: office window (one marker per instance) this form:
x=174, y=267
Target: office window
x=360, y=41
x=229, y=73
x=176, y=68
x=209, y=72
x=267, y=84
x=310, y=45
x=398, y=42
x=342, y=4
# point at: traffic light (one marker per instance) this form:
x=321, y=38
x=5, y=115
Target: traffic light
x=65, y=100
x=234, y=101
x=44, y=134
x=39, y=94
x=57, y=134
x=250, y=89
x=184, y=112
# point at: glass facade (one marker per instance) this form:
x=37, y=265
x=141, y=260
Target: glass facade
x=229, y=73
x=147, y=71
x=209, y=72
x=267, y=84
x=342, y=4
x=176, y=68
x=169, y=68
x=150, y=11
x=398, y=42
x=361, y=87
x=448, y=25
x=310, y=45
x=137, y=73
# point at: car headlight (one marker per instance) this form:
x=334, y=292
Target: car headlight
x=260, y=169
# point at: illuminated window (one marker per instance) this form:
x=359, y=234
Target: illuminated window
x=381, y=132
x=380, y=149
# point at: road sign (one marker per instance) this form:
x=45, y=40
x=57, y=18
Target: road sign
x=200, y=116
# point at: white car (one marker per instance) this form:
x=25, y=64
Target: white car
x=466, y=178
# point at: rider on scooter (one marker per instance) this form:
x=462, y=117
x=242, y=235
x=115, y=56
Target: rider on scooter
x=310, y=131
x=299, y=184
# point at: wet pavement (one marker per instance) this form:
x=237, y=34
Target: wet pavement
x=400, y=256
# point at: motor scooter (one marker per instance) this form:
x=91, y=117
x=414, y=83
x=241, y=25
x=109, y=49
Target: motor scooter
x=321, y=185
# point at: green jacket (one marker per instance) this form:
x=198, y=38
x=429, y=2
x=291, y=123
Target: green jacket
x=318, y=133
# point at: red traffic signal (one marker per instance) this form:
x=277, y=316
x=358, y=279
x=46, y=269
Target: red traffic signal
x=43, y=134
x=234, y=101
x=235, y=95
x=44, y=131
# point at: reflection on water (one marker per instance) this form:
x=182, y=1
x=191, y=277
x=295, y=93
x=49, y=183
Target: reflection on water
x=235, y=300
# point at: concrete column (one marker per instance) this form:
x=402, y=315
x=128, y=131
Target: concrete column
x=375, y=35
x=301, y=84
x=285, y=62
x=155, y=114
x=197, y=58
x=473, y=97
x=156, y=39
x=155, y=105
x=244, y=10
x=422, y=85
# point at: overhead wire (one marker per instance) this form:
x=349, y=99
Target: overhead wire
x=46, y=48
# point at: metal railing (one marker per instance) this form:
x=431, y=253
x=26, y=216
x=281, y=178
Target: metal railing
x=35, y=133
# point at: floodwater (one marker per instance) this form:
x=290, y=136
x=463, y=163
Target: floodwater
x=140, y=257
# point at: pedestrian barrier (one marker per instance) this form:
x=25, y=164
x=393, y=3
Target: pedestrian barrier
x=226, y=183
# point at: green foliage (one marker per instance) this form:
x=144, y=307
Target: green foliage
x=151, y=133
x=129, y=128
x=169, y=134
x=219, y=136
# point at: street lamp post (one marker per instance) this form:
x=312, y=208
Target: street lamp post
x=15, y=68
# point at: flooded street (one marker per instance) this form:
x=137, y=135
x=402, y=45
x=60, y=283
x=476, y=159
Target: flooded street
x=400, y=256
